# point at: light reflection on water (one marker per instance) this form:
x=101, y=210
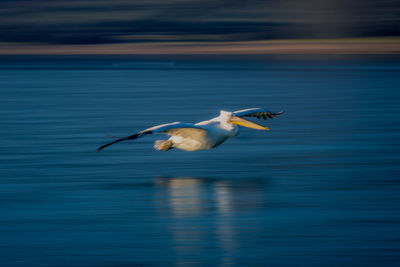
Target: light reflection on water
x=184, y=196
x=191, y=199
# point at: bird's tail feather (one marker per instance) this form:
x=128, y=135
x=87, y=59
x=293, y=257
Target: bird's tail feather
x=163, y=145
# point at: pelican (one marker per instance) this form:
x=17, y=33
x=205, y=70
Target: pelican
x=205, y=134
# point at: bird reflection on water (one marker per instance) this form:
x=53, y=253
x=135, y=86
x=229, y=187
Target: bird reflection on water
x=195, y=203
x=189, y=196
x=185, y=195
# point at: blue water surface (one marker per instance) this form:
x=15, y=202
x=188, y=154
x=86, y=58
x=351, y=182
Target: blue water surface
x=321, y=188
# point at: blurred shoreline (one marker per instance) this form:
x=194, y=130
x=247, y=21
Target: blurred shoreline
x=386, y=45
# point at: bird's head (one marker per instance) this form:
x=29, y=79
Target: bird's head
x=229, y=118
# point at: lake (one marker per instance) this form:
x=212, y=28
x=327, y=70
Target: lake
x=321, y=188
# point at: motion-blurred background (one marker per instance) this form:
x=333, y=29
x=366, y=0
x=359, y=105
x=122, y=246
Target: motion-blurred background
x=191, y=26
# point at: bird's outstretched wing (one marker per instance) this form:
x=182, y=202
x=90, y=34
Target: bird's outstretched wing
x=257, y=112
x=174, y=128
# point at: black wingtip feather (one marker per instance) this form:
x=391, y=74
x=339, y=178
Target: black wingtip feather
x=133, y=136
x=109, y=144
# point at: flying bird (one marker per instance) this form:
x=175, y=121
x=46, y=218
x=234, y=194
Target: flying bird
x=205, y=134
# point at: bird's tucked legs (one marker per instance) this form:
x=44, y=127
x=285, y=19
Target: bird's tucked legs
x=163, y=145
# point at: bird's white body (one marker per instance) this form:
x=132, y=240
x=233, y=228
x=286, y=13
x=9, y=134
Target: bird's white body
x=203, y=135
x=212, y=133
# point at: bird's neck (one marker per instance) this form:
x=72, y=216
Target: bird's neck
x=225, y=124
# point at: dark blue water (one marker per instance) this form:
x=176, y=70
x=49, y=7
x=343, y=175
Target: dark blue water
x=320, y=189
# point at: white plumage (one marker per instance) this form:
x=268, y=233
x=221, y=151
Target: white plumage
x=205, y=134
